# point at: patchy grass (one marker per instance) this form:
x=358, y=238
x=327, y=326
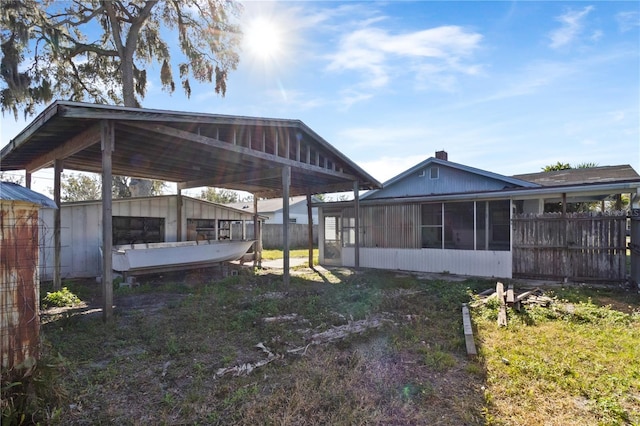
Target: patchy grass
x=575, y=363
x=277, y=254
x=336, y=346
x=344, y=347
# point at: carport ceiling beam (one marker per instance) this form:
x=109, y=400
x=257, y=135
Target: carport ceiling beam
x=218, y=144
x=84, y=140
x=240, y=178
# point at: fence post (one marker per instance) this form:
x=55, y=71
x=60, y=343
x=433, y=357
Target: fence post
x=634, y=246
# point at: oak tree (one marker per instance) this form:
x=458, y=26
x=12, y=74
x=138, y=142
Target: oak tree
x=101, y=50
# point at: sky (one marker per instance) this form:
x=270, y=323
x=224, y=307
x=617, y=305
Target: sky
x=507, y=87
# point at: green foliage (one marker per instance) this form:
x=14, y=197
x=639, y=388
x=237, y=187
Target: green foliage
x=80, y=187
x=566, y=166
x=60, y=298
x=579, y=356
x=556, y=167
x=220, y=196
x=32, y=393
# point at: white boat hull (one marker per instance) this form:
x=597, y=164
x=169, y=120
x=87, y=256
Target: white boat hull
x=185, y=254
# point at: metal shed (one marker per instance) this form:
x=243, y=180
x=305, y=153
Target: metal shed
x=267, y=157
x=19, y=279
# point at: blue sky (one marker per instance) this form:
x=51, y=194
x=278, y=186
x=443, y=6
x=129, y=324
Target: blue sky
x=507, y=87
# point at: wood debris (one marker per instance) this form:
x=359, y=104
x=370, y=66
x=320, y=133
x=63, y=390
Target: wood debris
x=468, y=331
x=246, y=369
x=509, y=298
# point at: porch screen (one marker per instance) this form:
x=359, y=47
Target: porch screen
x=471, y=225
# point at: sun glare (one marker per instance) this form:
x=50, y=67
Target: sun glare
x=263, y=39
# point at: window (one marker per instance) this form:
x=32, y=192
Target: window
x=434, y=172
x=135, y=230
x=201, y=229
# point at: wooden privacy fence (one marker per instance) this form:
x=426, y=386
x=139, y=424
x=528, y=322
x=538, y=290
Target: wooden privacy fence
x=579, y=246
x=272, y=235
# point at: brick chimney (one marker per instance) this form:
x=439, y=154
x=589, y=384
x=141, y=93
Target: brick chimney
x=442, y=155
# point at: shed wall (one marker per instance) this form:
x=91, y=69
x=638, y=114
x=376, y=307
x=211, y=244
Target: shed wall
x=19, y=284
x=81, y=231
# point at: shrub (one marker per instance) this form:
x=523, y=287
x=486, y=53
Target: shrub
x=60, y=298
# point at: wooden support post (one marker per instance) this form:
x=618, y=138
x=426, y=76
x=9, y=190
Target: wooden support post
x=310, y=229
x=27, y=180
x=356, y=213
x=179, y=221
x=57, y=244
x=107, y=145
x=257, y=246
x=286, y=183
x=468, y=331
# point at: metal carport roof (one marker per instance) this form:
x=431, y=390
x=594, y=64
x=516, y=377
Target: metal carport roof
x=192, y=149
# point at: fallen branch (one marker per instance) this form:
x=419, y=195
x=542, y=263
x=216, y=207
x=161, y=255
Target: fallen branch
x=246, y=369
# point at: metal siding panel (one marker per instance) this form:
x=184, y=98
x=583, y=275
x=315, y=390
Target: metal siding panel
x=459, y=262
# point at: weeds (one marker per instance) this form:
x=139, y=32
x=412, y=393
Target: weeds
x=578, y=363
x=157, y=361
x=60, y=298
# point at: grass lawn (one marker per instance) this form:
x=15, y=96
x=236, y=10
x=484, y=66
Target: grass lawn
x=338, y=346
x=573, y=363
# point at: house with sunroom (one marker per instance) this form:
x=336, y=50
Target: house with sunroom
x=444, y=217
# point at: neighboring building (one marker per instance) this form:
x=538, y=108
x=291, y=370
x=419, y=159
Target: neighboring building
x=20, y=210
x=440, y=216
x=136, y=220
x=271, y=209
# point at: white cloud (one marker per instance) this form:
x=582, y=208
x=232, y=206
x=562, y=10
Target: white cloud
x=627, y=21
x=572, y=23
x=374, y=51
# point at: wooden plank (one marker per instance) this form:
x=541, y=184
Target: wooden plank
x=84, y=140
x=510, y=297
x=526, y=294
x=468, y=331
x=502, y=312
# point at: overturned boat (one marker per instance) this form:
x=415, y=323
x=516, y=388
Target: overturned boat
x=159, y=257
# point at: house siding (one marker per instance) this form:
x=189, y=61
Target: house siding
x=460, y=262
x=449, y=181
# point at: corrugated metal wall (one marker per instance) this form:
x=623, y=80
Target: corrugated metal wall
x=391, y=226
x=19, y=285
x=482, y=263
